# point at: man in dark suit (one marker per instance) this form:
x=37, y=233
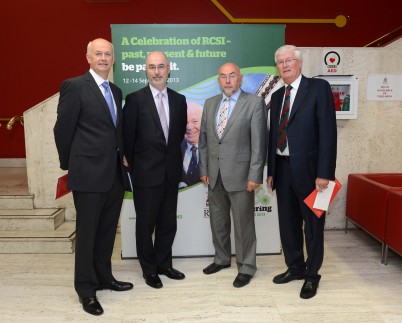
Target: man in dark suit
x=189, y=146
x=154, y=125
x=89, y=141
x=232, y=158
x=301, y=158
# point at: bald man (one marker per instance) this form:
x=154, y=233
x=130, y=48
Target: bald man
x=88, y=135
x=232, y=158
x=154, y=125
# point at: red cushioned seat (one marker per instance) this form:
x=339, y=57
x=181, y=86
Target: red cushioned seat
x=393, y=230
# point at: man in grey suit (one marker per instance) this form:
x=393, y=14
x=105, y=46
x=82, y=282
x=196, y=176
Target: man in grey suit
x=232, y=157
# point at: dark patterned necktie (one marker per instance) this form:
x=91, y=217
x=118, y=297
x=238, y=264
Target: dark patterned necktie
x=282, y=139
x=193, y=162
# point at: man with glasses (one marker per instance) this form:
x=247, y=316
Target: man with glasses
x=301, y=158
x=232, y=148
x=154, y=124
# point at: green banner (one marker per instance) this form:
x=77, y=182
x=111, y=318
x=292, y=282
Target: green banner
x=195, y=53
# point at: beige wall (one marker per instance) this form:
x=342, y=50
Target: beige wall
x=371, y=143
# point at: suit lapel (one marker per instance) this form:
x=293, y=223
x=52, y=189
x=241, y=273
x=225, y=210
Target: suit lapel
x=171, y=99
x=214, y=112
x=241, y=101
x=98, y=93
x=150, y=102
x=300, y=95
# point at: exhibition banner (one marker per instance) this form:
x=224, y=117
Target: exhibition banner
x=195, y=53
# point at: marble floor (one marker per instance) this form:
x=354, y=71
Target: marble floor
x=355, y=287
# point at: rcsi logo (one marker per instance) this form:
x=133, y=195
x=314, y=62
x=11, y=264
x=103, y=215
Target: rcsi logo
x=332, y=61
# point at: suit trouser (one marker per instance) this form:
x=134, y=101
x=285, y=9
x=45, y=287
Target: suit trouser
x=96, y=225
x=293, y=212
x=242, y=205
x=156, y=209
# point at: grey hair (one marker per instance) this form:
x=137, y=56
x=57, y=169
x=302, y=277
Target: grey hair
x=284, y=48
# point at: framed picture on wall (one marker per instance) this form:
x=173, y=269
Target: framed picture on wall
x=345, y=93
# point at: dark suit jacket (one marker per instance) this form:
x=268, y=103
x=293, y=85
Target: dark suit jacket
x=311, y=132
x=150, y=159
x=86, y=139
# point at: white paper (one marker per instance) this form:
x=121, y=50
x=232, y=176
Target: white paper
x=323, y=198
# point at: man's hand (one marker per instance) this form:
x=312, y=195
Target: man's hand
x=251, y=186
x=204, y=179
x=270, y=182
x=321, y=184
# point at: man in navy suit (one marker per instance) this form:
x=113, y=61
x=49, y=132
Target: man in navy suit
x=301, y=158
x=88, y=135
x=154, y=125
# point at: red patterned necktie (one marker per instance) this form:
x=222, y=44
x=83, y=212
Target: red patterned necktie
x=282, y=139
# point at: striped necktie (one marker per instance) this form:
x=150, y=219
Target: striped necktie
x=282, y=138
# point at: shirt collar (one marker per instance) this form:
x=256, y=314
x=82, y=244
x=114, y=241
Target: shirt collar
x=155, y=91
x=98, y=79
x=296, y=83
x=233, y=97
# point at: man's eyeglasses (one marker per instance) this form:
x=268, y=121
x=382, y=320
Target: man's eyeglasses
x=153, y=68
x=287, y=61
x=231, y=77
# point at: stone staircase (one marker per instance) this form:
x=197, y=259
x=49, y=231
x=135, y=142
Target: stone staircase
x=24, y=229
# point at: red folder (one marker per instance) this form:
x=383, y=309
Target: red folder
x=61, y=188
x=311, y=199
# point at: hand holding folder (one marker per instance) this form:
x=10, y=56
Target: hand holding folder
x=61, y=187
x=315, y=199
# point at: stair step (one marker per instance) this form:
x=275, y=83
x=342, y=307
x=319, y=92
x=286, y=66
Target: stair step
x=10, y=202
x=36, y=219
x=61, y=240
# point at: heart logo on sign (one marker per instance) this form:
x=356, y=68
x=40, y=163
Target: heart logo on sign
x=332, y=59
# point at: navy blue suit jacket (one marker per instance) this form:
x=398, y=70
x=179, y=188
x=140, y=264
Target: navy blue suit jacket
x=311, y=132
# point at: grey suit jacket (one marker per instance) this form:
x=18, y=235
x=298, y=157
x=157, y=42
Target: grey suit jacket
x=240, y=154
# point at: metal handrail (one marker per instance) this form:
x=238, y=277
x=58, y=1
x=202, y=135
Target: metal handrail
x=387, y=38
x=11, y=121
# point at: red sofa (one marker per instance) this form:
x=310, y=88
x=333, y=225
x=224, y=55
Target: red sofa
x=367, y=203
x=393, y=230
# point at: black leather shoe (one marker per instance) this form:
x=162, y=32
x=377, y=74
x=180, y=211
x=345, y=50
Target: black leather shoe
x=308, y=290
x=91, y=305
x=242, y=280
x=116, y=286
x=214, y=268
x=286, y=277
x=172, y=273
x=153, y=280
